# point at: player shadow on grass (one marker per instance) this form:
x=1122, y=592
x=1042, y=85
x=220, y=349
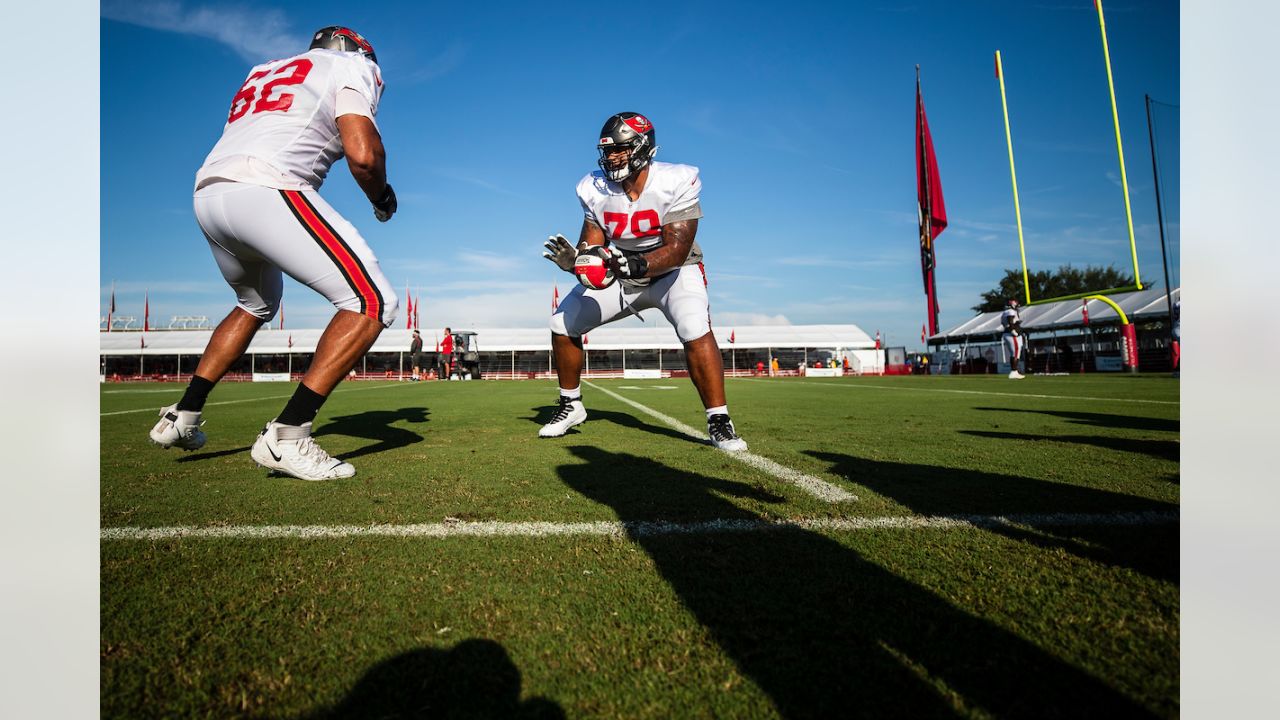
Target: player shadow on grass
x=1126, y=422
x=474, y=679
x=1162, y=449
x=376, y=425
x=543, y=415
x=198, y=456
x=929, y=490
x=821, y=630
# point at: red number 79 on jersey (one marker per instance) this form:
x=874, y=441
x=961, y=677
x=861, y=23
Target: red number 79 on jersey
x=617, y=222
x=243, y=99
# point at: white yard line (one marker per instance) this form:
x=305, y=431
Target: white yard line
x=864, y=385
x=816, y=487
x=234, y=402
x=634, y=529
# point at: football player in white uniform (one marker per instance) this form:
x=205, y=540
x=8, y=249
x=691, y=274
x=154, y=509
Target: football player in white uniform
x=1014, y=345
x=257, y=203
x=646, y=214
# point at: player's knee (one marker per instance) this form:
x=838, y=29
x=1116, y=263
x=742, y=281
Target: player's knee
x=264, y=310
x=390, y=308
x=691, y=328
x=382, y=307
x=558, y=324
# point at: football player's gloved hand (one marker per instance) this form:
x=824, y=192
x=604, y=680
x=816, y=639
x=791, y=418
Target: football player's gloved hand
x=385, y=206
x=560, y=252
x=625, y=264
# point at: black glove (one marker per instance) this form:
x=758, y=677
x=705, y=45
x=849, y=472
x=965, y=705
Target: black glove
x=560, y=252
x=629, y=265
x=385, y=206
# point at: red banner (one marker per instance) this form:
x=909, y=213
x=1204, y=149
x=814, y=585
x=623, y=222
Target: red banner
x=930, y=206
x=1129, y=346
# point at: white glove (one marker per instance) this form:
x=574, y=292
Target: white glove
x=560, y=252
x=627, y=264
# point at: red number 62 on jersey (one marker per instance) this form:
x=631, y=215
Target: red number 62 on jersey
x=244, y=99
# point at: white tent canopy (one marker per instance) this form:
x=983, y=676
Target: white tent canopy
x=1064, y=314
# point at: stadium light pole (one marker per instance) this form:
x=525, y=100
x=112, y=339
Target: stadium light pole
x=1164, y=253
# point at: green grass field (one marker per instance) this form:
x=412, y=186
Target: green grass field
x=1005, y=549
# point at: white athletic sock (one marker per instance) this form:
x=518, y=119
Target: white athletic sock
x=574, y=394
x=721, y=410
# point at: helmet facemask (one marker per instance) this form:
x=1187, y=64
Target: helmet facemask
x=638, y=155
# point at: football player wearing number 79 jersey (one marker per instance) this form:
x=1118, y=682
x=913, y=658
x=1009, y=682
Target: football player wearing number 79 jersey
x=257, y=203
x=640, y=218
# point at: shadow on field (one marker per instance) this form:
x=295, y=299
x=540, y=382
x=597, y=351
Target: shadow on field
x=543, y=415
x=1163, y=449
x=473, y=679
x=929, y=490
x=376, y=425
x=211, y=455
x=822, y=631
x=1129, y=422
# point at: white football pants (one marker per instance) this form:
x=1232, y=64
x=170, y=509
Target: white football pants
x=681, y=295
x=256, y=232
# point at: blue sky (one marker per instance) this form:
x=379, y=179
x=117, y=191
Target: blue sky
x=800, y=116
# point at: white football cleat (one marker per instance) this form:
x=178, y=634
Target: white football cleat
x=723, y=436
x=570, y=413
x=1015, y=375
x=178, y=428
x=289, y=449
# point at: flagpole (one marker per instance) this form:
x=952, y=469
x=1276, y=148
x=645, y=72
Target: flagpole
x=926, y=220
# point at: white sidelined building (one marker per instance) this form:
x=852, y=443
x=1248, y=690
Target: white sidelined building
x=499, y=353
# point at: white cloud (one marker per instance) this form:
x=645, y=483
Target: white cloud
x=446, y=62
x=256, y=35
x=743, y=319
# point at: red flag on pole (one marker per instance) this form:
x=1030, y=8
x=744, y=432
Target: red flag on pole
x=112, y=309
x=733, y=336
x=408, y=319
x=290, y=339
x=877, y=339
x=555, y=298
x=146, y=312
x=932, y=211
x=282, y=314
x=1084, y=309
x=923, y=336
x=417, y=305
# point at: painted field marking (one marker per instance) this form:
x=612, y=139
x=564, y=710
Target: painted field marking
x=245, y=400
x=865, y=386
x=648, y=387
x=135, y=392
x=633, y=529
x=815, y=486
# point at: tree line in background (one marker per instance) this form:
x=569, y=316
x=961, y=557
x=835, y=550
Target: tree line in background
x=1066, y=280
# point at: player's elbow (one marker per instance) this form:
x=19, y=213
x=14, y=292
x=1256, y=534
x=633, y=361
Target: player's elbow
x=367, y=163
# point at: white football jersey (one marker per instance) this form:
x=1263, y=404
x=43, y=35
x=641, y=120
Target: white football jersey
x=671, y=190
x=282, y=129
x=1009, y=319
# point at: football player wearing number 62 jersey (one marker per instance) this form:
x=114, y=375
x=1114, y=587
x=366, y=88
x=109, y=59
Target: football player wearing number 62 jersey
x=645, y=214
x=257, y=203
